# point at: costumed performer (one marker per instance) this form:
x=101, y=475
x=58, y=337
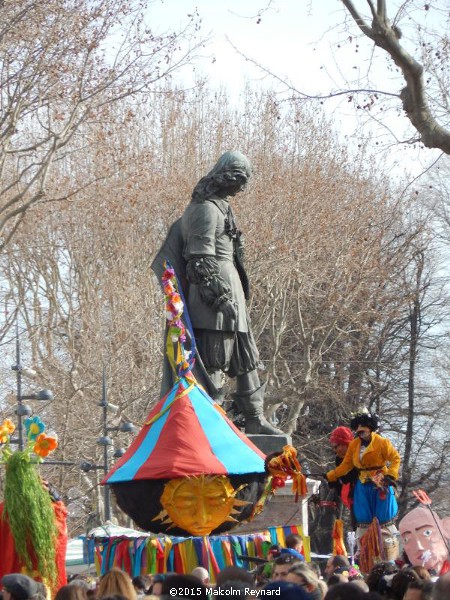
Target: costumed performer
x=33, y=530
x=377, y=462
x=425, y=538
x=206, y=250
x=340, y=439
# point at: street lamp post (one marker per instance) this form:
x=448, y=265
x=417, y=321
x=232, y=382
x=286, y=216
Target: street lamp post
x=106, y=441
x=23, y=410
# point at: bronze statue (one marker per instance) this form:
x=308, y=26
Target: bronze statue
x=205, y=249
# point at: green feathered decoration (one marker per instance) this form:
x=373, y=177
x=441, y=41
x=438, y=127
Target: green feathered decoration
x=28, y=508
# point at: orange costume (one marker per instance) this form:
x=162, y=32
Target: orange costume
x=376, y=457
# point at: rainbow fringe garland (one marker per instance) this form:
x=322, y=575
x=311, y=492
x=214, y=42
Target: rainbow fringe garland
x=151, y=554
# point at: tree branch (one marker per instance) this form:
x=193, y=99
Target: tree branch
x=415, y=105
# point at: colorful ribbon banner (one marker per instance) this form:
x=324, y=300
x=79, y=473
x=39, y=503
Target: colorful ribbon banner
x=162, y=554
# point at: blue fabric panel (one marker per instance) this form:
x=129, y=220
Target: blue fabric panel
x=216, y=545
x=233, y=453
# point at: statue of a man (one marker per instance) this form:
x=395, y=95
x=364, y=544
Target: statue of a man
x=217, y=287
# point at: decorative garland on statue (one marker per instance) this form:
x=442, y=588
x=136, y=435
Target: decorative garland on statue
x=181, y=360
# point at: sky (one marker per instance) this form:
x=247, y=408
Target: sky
x=283, y=40
x=314, y=45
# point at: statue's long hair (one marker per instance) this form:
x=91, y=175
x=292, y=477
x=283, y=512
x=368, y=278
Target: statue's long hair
x=230, y=165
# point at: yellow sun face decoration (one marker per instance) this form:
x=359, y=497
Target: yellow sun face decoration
x=199, y=504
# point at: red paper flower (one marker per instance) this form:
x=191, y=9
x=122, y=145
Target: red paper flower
x=278, y=482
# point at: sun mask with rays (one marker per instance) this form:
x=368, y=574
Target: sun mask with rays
x=199, y=504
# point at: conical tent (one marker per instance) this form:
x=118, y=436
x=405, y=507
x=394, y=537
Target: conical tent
x=186, y=434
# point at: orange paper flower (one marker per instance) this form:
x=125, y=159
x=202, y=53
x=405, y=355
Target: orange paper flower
x=44, y=445
x=6, y=429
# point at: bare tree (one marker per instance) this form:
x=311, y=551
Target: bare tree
x=63, y=65
x=326, y=246
x=413, y=35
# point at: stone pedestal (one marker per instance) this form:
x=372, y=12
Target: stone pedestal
x=281, y=509
x=270, y=443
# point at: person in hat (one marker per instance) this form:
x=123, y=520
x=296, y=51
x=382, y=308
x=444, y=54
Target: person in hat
x=18, y=587
x=377, y=463
x=340, y=439
x=281, y=567
x=294, y=546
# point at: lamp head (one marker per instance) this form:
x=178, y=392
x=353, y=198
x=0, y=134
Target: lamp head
x=23, y=410
x=86, y=466
x=127, y=427
x=44, y=395
x=105, y=440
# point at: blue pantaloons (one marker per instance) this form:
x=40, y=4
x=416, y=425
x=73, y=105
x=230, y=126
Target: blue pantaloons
x=367, y=504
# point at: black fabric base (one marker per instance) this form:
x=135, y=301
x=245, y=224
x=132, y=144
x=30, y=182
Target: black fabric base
x=140, y=500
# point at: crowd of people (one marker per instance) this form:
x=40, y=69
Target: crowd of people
x=285, y=576
x=366, y=471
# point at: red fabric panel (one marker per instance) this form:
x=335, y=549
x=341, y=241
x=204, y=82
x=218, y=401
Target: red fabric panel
x=126, y=558
x=345, y=495
x=61, y=542
x=213, y=560
x=9, y=561
x=160, y=556
x=183, y=432
x=178, y=563
x=138, y=440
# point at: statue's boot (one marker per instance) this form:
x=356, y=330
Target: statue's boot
x=251, y=404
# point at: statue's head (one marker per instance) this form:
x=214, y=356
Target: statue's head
x=425, y=538
x=228, y=177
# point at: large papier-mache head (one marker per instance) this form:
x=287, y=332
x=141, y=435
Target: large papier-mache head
x=425, y=538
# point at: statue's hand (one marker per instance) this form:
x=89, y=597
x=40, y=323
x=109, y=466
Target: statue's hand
x=229, y=310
